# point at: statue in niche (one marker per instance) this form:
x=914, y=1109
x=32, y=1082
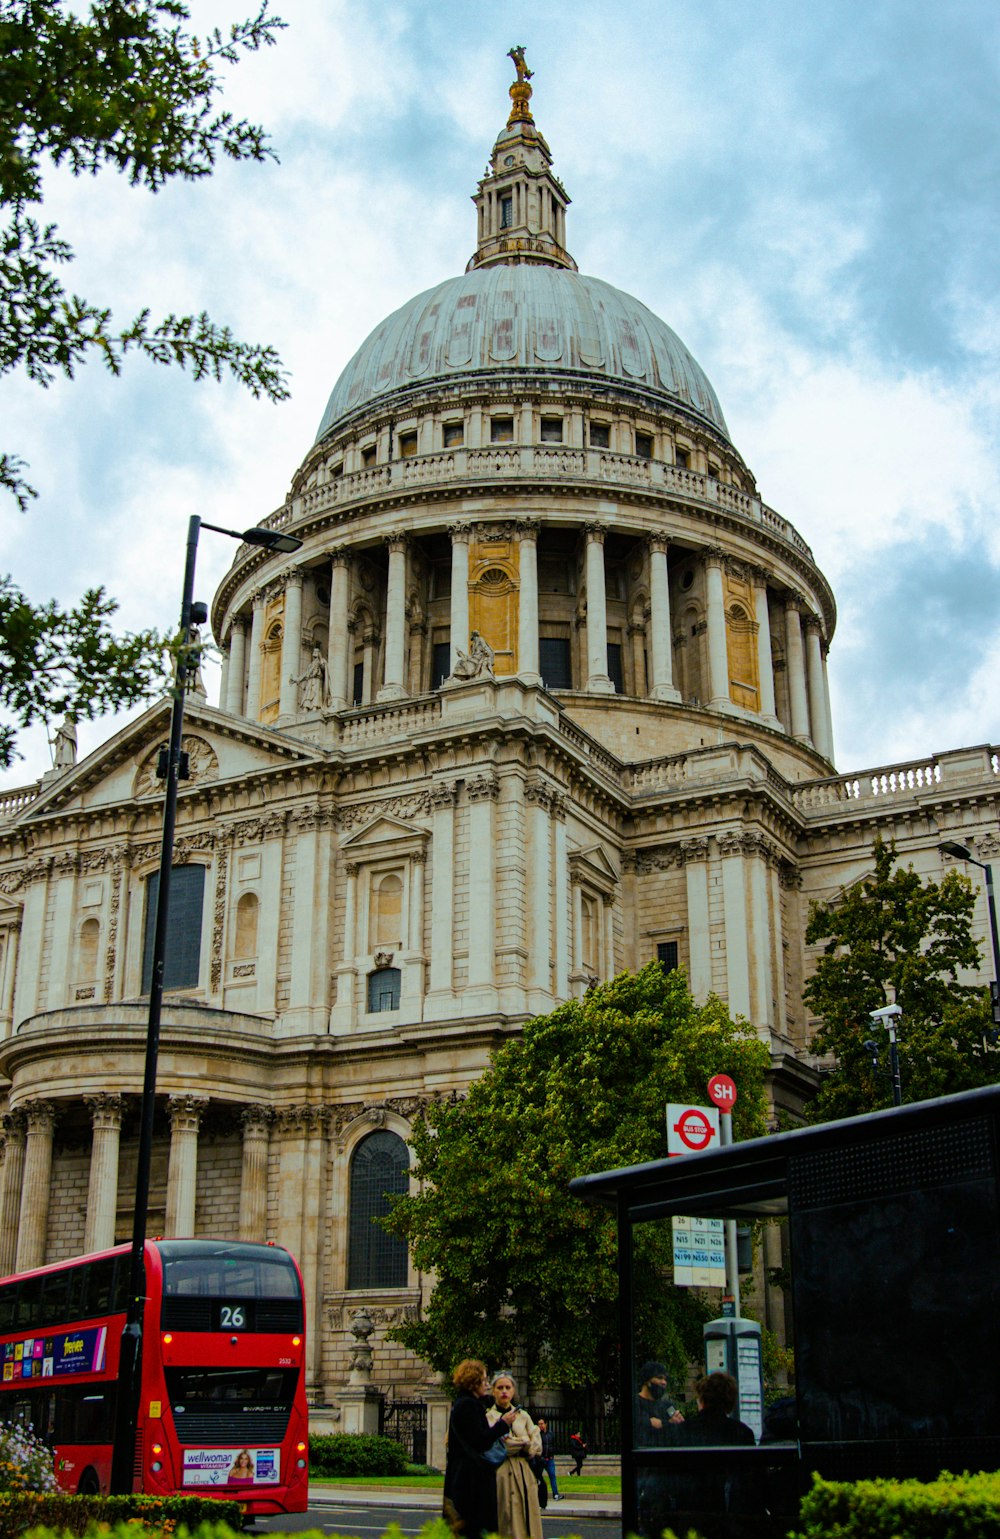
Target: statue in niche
x=478, y=660
x=313, y=693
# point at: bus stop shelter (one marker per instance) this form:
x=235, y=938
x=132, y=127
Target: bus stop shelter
x=894, y=1242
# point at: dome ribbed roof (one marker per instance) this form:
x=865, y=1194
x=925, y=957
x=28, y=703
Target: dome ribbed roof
x=522, y=317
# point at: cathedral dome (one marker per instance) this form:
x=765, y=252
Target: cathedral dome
x=525, y=317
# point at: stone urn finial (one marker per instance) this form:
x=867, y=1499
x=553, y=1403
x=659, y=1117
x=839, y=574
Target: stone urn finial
x=362, y=1327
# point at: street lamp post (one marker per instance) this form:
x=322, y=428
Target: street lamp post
x=130, y=1359
x=962, y=852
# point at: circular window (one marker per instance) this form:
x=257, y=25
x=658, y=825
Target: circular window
x=687, y=578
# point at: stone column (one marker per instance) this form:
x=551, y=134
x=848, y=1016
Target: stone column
x=560, y=894
x=37, y=1185
x=338, y=650
x=827, y=706
x=256, y=658
x=9, y=978
x=308, y=996
x=777, y=946
x=694, y=854
x=482, y=790
x=394, y=687
x=527, y=615
x=369, y=643
x=460, y=536
x=765, y=662
x=442, y=895
x=256, y=1122
x=538, y=798
x=598, y=679
x=718, y=652
x=236, y=680
x=13, y=1182
x=755, y=854
x=413, y=959
x=342, y=1014
x=734, y=910
x=817, y=693
x=291, y=645
x=663, y=687
x=795, y=664
x=578, y=978
x=609, y=935
x=185, y=1112
x=102, y=1194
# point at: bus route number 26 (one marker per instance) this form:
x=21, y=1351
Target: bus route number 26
x=232, y=1317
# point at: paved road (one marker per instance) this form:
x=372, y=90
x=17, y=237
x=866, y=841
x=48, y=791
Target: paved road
x=341, y=1513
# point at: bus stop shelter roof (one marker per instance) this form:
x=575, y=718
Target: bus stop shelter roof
x=751, y=1180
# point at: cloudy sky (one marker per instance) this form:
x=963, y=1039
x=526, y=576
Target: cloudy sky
x=808, y=194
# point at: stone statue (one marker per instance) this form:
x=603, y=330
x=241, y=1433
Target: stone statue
x=478, y=659
x=313, y=693
x=196, y=683
x=517, y=54
x=64, y=756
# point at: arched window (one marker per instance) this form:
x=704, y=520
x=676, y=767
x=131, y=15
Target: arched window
x=383, y=990
x=182, y=961
x=380, y=1169
x=247, y=910
x=90, y=939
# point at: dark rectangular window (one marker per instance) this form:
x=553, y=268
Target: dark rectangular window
x=506, y=213
x=454, y=434
x=555, y=662
x=359, y=683
x=501, y=430
x=182, y=961
x=552, y=430
x=644, y=446
x=369, y=456
x=682, y=459
x=666, y=955
x=383, y=989
x=600, y=435
x=615, y=667
x=440, y=663
x=407, y=445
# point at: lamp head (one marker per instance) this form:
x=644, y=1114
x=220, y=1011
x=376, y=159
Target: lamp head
x=956, y=850
x=271, y=539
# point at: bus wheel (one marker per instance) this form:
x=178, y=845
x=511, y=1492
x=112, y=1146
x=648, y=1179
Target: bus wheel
x=89, y=1484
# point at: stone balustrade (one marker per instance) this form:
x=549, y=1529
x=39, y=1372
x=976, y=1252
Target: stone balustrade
x=599, y=467
x=940, y=771
x=14, y=801
x=376, y=724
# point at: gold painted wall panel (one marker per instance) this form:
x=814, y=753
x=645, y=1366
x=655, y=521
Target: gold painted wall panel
x=493, y=597
x=741, y=643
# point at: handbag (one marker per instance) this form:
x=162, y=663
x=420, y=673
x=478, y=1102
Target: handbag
x=496, y=1453
x=543, y=1494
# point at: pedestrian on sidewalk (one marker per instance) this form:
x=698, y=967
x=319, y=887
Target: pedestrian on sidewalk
x=578, y=1448
x=549, y=1457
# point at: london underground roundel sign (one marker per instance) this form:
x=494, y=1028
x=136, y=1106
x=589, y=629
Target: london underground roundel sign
x=691, y=1128
x=722, y=1092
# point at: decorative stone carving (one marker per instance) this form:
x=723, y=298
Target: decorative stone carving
x=362, y=1357
x=202, y=762
x=384, y=958
x=483, y=788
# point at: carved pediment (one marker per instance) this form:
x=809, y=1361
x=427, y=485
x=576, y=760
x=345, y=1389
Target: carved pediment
x=385, y=835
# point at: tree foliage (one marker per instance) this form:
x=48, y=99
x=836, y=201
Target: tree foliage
x=57, y=661
x=122, y=85
x=520, y=1266
x=895, y=932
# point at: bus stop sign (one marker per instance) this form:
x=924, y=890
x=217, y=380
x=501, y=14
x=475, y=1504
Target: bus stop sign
x=691, y=1128
x=722, y=1092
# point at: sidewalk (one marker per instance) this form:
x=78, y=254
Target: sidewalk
x=596, y=1506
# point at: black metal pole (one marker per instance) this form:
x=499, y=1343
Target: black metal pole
x=897, y=1083
x=130, y=1365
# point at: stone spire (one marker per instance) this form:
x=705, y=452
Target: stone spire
x=521, y=205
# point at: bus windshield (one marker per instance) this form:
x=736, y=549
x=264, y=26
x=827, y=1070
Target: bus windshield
x=217, y=1269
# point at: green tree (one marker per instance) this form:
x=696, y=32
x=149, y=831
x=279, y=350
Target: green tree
x=118, y=85
x=518, y=1262
x=895, y=932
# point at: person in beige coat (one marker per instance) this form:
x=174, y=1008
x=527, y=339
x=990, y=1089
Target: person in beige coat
x=518, y=1513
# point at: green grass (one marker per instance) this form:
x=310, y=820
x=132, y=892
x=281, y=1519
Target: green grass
x=584, y=1485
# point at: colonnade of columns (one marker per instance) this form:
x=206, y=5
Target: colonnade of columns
x=26, y=1179
x=808, y=701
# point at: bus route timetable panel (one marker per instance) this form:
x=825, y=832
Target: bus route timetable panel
x=58, y=1356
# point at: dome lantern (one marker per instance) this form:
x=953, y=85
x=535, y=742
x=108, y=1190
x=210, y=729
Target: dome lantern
x=521, y=204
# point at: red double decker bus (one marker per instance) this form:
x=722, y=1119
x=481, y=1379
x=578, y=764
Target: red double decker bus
x=222, y=1409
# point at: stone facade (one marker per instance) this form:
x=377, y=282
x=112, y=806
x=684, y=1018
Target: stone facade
x=391, y=860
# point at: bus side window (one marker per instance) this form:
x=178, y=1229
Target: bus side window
x=29, y=1300
x=100, y=1287
x=55, y=1298
x=8, y=1307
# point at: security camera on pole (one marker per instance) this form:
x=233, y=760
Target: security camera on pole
x=887, y=1017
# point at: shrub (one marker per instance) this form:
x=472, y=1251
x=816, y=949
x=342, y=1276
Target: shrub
x=345, y=1453
x=25, y=1461
x=903, y=1509
x=60, y=1513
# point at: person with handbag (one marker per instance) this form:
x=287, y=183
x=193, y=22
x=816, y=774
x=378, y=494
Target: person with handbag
x=470, y=1476
x=519, y=1515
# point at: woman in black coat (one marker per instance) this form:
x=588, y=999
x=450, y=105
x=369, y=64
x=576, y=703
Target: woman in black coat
x=470, y=1481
